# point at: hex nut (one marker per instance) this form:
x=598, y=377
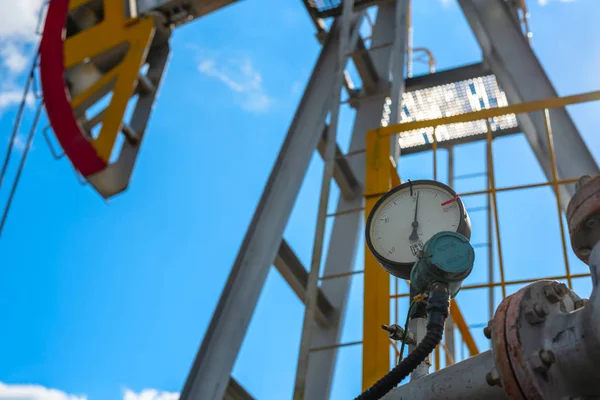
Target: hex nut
x=542, y=360
x=493, y=378
x=555, y=291
x=537, y=313
x=547, y=357
x=537, y=364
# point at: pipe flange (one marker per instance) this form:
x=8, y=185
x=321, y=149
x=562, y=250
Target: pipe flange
x=523, y=327
x=583, y=217
x=500, y=350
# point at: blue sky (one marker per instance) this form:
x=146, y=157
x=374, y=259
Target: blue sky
x=106, y=301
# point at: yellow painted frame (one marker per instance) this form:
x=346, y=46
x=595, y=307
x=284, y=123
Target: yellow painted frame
x=114, y=30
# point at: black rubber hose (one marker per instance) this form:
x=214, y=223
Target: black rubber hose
x=437, y=310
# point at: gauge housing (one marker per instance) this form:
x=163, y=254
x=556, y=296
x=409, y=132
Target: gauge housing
x=402, y=270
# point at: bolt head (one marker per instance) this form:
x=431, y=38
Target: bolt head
x=493, y=378
x=537, y=364
x=487, y=331
x=537, y=313
x=547, y=357
x=555, y=291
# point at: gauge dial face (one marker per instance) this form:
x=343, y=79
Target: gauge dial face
x=408, y=216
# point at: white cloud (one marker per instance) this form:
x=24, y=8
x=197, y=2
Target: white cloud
x=447, y=3
x=34, y=392
x=13, y=58
x=38, y=392
x=12, y=97
x=19, y=20
x=243, y=79
x=20, y=143
x=149, y=394
x=18, y=23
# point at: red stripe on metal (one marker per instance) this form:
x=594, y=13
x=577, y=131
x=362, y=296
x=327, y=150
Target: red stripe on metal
x=450, y=201
x=58, y=106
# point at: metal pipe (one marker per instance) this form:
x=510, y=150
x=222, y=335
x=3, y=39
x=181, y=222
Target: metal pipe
x=419, y=327
x=465, y=380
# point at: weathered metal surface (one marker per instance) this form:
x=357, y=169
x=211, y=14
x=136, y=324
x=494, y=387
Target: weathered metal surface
x=500, y=351
x=516, y=351
x=583, y=217
x=465, y=380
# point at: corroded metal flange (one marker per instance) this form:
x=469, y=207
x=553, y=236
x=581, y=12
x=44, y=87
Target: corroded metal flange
x=583, y=217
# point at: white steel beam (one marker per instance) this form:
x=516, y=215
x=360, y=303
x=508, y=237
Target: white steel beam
x=209, y=375
x=522, y=77
x=347, y=227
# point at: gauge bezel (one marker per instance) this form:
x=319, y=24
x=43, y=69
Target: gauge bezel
x=402, y=270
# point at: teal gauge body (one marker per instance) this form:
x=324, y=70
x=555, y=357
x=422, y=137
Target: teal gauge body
x=448, y=258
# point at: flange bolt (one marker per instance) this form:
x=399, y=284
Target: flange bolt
x=555, y=291
x=493, y=378
x=487, y=331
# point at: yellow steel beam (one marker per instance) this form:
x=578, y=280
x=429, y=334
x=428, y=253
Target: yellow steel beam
x=552, y=102
x=113, y=31
x=378, y=180
x=463, y=328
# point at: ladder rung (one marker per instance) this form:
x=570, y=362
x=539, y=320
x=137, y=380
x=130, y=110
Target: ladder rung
x=130, y=134
x=145, y=85
x=468, y=176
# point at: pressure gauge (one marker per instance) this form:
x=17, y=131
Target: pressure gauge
x=406, y=217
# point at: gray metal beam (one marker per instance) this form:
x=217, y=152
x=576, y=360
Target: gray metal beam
x=364, y=65
x=347, y=227
x=446, y=76
x=522, y=77
x=235, y=391
x=178, y=12
x=397, y=68
x=209, y=375
x=294, y=273
x=343, y=174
